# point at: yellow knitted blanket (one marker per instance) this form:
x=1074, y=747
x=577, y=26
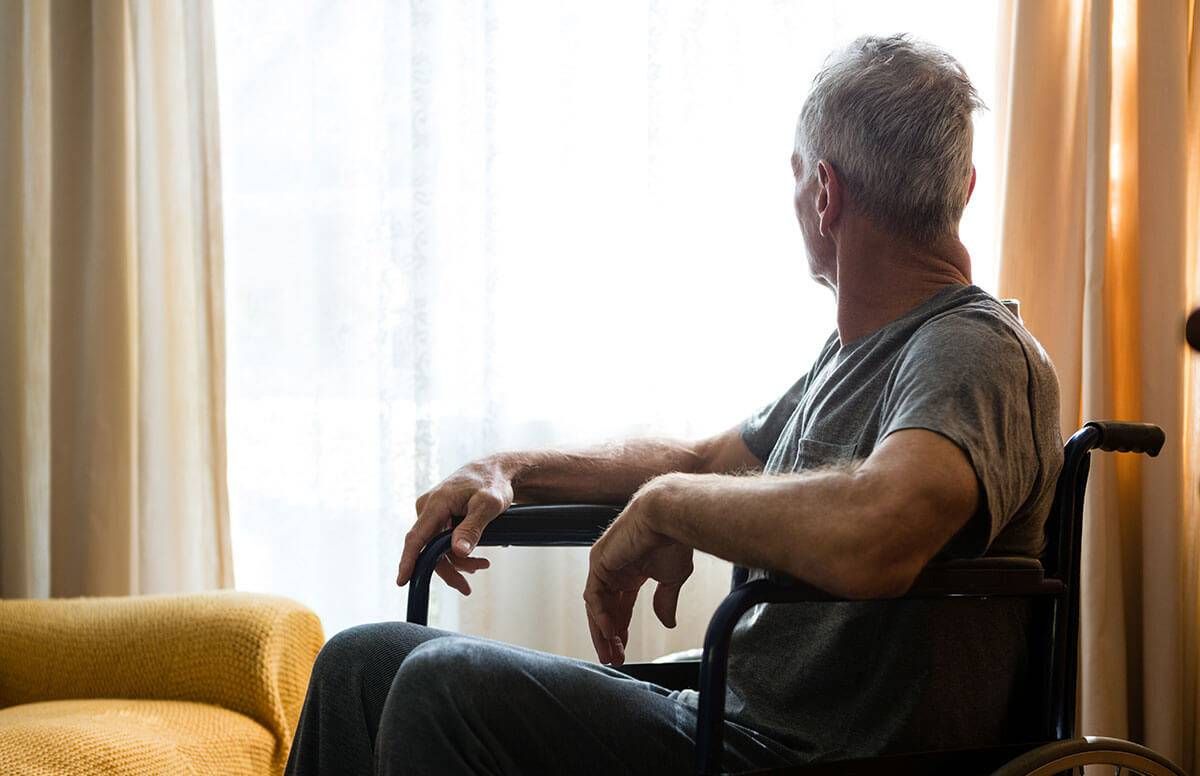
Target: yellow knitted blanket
x=206, y=684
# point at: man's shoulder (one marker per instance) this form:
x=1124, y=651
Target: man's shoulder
x=974, y=310
x=983, y=331
x=975, y=331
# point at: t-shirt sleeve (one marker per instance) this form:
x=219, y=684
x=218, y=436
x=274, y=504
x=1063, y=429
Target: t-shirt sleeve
x=761, y=430
x=966, y=377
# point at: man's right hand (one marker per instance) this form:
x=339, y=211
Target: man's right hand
x=609, y=474
x=478, y=492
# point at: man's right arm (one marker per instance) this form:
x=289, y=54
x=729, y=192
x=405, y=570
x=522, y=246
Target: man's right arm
x=609, y=474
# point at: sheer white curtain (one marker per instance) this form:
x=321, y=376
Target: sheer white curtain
x=457, y=227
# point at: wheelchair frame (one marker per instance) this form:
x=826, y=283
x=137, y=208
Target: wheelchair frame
x=1054, y=580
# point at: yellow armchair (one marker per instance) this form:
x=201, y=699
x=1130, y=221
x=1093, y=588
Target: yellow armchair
x=207, y=684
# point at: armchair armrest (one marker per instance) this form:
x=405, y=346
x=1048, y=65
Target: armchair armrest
x=248, y=653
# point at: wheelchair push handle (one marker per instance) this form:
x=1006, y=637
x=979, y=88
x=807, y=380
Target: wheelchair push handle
x=1126, y=437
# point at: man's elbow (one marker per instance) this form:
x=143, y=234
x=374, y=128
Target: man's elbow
x=871, y=575
x=882, y=541
x=879, y=581
x=874, y=560
x=899, y=532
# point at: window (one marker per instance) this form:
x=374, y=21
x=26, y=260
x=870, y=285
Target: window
x=453, y=228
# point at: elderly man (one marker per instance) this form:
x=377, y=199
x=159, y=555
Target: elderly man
x=927, y=428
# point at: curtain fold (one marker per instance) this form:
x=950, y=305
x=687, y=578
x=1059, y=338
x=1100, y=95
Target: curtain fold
x=112, y=472
x=1099, y=241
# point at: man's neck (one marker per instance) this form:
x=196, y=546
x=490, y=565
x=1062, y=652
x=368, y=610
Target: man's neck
x=879, y=280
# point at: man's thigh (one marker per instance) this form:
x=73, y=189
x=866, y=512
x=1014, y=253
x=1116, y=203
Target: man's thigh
x=467, y=705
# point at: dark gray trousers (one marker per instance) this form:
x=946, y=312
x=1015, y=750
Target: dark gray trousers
x=395, y=698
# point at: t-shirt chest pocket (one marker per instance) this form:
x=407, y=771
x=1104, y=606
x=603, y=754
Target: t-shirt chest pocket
x=807, y=453
x=815, y=454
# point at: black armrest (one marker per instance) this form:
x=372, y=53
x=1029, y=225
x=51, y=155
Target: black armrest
x=579, y=525
x=554, y=525
x=998, y=577
x=984, y=577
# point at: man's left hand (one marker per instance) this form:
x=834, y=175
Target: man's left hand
x=628, y=554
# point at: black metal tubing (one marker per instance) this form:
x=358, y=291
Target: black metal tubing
x=1062, y=557
x=1061, y=585
x=715, y=659
x=1065, y=547
x=1058, y=582
x=580, y=526
x=1063, y=552
x=566, y=525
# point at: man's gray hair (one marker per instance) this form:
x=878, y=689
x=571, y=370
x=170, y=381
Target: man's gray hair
x=893, y=116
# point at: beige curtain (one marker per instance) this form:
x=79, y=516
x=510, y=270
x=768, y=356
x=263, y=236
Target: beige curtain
x=112, y=470
x=1101, y=160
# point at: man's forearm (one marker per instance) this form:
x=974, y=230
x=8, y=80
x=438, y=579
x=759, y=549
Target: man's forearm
x=820, y=527
x=609, y=474
x=862, y=531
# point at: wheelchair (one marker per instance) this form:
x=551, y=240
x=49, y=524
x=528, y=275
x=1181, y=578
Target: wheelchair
x=1051, y=582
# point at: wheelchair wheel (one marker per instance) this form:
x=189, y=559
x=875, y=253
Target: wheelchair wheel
x=1069, y=757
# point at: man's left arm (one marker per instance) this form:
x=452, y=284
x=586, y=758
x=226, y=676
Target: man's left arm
x=861, y=531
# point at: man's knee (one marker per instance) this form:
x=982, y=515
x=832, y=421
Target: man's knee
x=344, y=656
x=441, y=671
x=359, y=663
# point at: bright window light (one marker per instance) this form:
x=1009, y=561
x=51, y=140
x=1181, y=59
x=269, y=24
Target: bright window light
x=453, y=228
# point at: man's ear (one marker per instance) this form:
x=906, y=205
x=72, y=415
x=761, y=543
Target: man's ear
x=971, y=188
x=830, y=197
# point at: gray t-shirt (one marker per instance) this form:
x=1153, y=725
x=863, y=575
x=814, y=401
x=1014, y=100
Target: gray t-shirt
x=855, y=679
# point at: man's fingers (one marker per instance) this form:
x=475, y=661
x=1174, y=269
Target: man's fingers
x=433, y=518
x=619, y=615
x=610, y=650
x=608, y=619
x=482, y=509
x=445, y=570
x=666, y=601
x=599, y=643
x=599, y=601
x=469, y=565
x=594, y=606
x=629, y=616
x=622, y=613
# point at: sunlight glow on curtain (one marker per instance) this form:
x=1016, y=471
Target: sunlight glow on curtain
x=112, y=424
x=457, y=227
x=1098, y=236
